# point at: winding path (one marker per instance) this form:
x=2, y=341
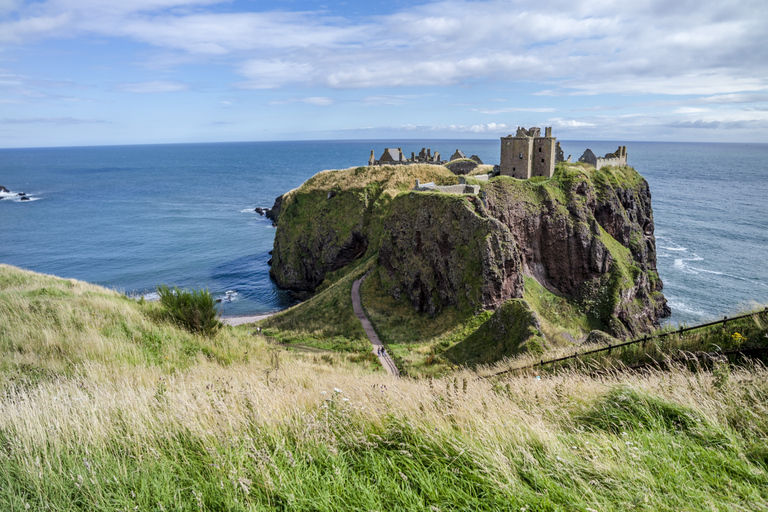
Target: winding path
x=357, y=305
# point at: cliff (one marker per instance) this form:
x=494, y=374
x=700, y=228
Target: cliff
x=585, y=236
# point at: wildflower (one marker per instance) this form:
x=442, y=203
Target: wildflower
x=337, y=390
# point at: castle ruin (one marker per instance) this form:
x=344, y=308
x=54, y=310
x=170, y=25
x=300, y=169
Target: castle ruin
x=395, y=156
x=618, y=159
x=529, y=154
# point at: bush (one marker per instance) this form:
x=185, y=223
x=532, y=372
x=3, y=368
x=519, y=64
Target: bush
x=194, y=310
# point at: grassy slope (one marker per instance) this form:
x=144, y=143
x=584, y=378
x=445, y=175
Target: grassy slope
x=117, y=428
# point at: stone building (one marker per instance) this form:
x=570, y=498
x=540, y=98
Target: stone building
x=528, y=154
x=619, y=158
x=395, y=156
x=392, y=156
x=457, y=155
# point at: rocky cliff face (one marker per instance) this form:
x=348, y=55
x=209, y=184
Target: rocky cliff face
x=585, y=234
x=436, y=250
x=318, y=233
x=591, y=239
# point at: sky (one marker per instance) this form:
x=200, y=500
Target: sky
x=103, y=72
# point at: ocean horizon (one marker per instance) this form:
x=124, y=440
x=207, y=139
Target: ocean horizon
x=132, y=217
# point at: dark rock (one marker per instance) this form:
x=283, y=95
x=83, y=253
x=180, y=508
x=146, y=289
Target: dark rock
x=269, y=262
x=304, y=252
x=3, y=189
x=274, y=212
x=25, y=198
x=259, y=210
x=300, y=295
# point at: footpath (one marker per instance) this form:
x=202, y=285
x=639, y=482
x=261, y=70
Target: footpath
x=378, y=346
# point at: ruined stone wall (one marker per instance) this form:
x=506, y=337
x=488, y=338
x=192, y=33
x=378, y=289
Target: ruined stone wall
x=618, y=159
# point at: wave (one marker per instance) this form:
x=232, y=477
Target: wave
x=725, y=274
x=673, y=248
x=678, y=305
x=230, y=296
x=14, y=197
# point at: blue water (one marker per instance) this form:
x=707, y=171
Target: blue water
x=130, y=217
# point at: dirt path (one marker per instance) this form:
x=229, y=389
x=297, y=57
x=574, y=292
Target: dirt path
x=357, y=305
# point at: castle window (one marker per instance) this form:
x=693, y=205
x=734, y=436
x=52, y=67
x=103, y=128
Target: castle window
x=539, y=150
x=542, y=160
x=521, y=156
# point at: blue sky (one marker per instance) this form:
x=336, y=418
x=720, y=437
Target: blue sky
x=91, y=72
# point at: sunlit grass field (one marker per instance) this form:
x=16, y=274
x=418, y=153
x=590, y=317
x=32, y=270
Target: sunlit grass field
x=105, y=404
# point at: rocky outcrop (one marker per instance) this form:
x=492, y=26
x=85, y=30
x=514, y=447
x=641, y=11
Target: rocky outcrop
x=585, y=235
x=592, y=240
x=274, y=212
x=318, y=234
x=438, y=252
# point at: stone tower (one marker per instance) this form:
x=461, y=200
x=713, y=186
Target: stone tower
x=528, y=153
x=544, y=155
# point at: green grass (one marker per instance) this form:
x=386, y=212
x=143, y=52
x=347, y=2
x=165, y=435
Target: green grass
x=326, y=320
x=109, y=425
x=50, y=327
x=511, y=330
x=416, y=341
x=558, y=315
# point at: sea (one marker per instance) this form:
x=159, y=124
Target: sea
x=132, y=217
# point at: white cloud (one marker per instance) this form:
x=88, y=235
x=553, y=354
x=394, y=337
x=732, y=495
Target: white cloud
x=569, y=123
x=581, y=47
x=268, y=74
x=689, y=110
x=158, y=86
x=513, y=109
x=51, y=120
x=320, y=101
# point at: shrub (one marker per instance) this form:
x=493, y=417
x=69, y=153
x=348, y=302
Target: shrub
x=194, y=310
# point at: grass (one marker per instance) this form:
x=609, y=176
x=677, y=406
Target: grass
x=416, y=341
x=282, y=431
x=699, y=347
x=326, y=320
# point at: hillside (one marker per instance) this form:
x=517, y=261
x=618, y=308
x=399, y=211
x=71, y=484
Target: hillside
x=105, y=405
x=577, y=248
